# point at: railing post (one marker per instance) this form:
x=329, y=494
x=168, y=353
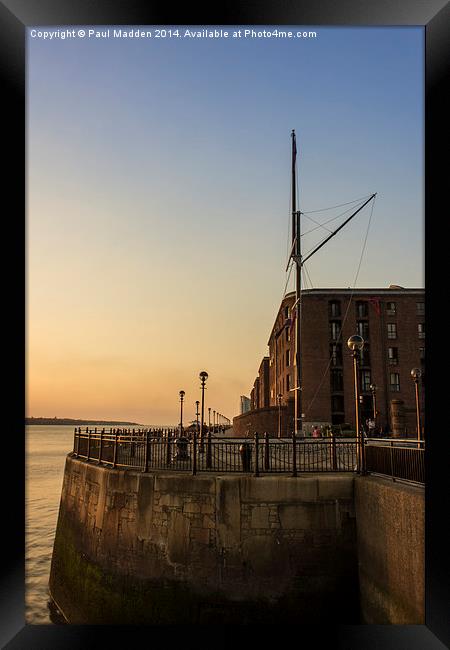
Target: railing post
x=116, y=436
x=333, y=449
x=391, y=444
x=146, y=454
x=168, y=447
x=209, y=450
x=194, y=453
x=266, y=452
x=74, y=440
x=256, y=454
x=294, y=454
x=89, y=443
x=100, y=446
x=78, y=445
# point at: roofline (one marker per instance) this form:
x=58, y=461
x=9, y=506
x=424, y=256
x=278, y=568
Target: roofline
x=333, y=290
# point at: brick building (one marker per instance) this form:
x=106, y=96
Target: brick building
x=392, y=323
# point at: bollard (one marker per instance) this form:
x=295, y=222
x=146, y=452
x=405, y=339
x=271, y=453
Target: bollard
x=246, y=456
x=182, y=448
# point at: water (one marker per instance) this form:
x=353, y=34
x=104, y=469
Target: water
x=45, y=457
x=46, y=451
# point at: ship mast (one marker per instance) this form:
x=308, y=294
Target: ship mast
x=296, y=309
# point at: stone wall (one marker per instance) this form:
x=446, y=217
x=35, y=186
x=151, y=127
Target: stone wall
x=391, y=554
x=174, y=548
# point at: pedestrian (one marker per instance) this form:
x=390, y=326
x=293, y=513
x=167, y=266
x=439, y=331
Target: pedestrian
x=371, y=427
x=316, y=431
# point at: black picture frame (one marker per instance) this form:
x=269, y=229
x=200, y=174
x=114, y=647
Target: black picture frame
x=15, y=17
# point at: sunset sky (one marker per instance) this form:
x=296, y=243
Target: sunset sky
x=158, y=200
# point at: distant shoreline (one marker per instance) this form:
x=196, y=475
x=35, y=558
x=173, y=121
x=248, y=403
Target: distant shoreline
x=60, y=421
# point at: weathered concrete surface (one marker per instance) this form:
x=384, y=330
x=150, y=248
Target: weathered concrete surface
x=391, y=554
x=174, y=548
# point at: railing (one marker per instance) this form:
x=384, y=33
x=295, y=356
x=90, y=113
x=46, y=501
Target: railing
x=145, y=450
x=400, y=459
x=148, y=449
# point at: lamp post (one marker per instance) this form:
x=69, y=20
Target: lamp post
x=416, y=374
x=182, y=394
x=203, y=377
x=356, y=343
x=279, y=396
x=197, y=404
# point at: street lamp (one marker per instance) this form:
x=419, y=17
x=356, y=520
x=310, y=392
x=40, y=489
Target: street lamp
x=203, y=377
x=416, y=374
x=182, y=394
x=279, y=396
x=356, y=344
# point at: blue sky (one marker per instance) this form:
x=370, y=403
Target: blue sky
x=159, y=189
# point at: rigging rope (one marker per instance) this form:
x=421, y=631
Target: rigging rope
x=322, y=225
x=339, y=205
x=346, y=312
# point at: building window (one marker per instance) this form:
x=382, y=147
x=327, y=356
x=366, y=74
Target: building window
x=288, y=334
x=288, y=383
x=337, y=380
x=288, y=358
x=335, y=330
x=420, y=308
x=336, y=354
x=286, y=312
x=393, y=356
x=365, y=380
x=334, y=308
x=271, y=393
x=421, y=330
x=362, y=328
x=391, y=308
x=361, y=309
x=394, y=382
x=364, y=356
x=392, y=330
x=422, y=353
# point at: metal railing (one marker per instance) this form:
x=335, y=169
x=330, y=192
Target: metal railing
x=399, y=459
x=148, y=449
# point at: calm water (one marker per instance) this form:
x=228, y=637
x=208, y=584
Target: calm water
x=46, y=451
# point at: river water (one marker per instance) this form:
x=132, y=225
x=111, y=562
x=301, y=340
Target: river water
x=46, y=451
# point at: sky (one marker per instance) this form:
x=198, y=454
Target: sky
x=158, y=204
